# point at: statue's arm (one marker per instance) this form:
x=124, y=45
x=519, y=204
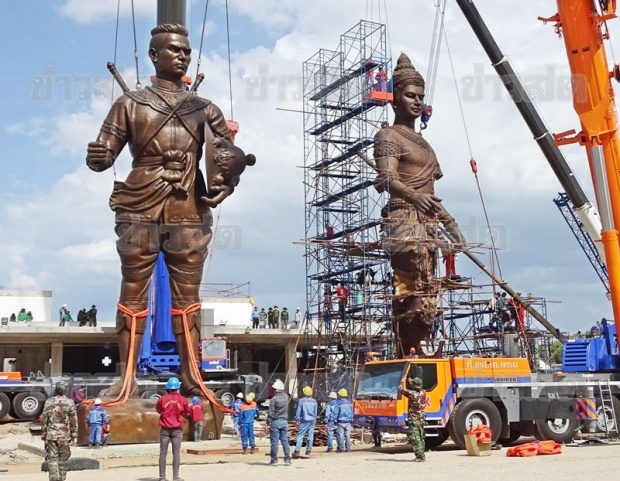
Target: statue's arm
x=217, y=122
x=387, y=151
x=111, y=139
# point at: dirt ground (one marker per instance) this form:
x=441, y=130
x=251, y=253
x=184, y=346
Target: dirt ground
x=394, y=461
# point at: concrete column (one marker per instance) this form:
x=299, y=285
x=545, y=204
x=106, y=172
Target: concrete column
x=290, y=357
x=56, y=368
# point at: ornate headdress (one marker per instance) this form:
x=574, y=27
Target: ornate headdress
x=405, y=73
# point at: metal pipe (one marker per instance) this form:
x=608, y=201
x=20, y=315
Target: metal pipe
x=171, y=11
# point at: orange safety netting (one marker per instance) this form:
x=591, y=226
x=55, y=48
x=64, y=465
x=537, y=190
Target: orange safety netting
x=482, y=433
x=533, y=449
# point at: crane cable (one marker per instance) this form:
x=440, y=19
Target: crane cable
x=493, y=257
x=219, y=207
x=433, y=61
x=118, y=15
x=135, y=46
x=202, y=37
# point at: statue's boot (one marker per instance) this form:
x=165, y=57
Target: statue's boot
x=123, y=328
x=190, y=370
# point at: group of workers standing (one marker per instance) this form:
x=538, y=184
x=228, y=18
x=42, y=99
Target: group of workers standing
x=273, y=318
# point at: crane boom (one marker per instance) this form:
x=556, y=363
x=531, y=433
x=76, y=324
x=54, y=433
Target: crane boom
x=583, y=28
x=584, y=209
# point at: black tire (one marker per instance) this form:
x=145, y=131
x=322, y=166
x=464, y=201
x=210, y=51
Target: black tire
x=472, y=412
x=558, y=430
x=432, y=442
x=515, y=433
x=76, y=464
x=5, y=405
x=225, y=396
x=28, y=405
x=600, y=422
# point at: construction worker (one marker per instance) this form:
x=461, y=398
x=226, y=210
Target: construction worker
x=297, y=319
x=415, y=416
x=284, y=318
x=172, y=408
x=307, y=411
x=344, y=418
x=97, y=417
x=196, y=415
x=59, y=429
x=331, y=413
x=236, y=407
x=277, y=420
x=247, y=415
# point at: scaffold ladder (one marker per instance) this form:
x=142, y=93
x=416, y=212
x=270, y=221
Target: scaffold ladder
x=607, y=408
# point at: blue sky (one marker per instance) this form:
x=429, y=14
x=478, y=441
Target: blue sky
x=57, y=231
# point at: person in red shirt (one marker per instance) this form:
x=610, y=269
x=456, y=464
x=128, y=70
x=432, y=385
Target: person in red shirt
x=342, y=293
x=196, y=416
x=172, y=408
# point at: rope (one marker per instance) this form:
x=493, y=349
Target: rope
x=232, y=115
x=473, y=163
x=192, y=354
x=135, y=46
x=202, y=36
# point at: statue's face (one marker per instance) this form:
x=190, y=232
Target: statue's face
x=409, y=101
x=172, y=56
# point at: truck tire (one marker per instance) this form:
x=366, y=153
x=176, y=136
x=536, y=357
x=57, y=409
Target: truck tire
x=28, y=405
x=558, y=430
x=600, y=421
x=225, y=396
x=432, y=442
x=473, y=412
x=5, y=405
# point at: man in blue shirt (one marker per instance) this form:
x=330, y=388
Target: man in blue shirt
x=331, y=413
x=97, y=417
x=306, y=416
x=344, y=418
x=236, y=407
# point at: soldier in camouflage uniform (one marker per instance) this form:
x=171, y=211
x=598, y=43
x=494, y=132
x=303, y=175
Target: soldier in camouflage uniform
x=417, y=403
x=59, y=431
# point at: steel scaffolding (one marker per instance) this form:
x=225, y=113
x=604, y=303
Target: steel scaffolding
x=345, y=103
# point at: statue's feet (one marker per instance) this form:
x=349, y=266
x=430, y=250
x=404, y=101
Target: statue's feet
x=115, y=390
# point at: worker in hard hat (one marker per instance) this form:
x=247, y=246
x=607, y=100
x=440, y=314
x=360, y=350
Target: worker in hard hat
x=196, y=416
x=172, y=408
x=247, y=415
x=344, y=418
x=277, y=420
x=331, y=414
x=297, y=319
x=236, y=407
x=305, y=415
x=97, y=417
x=415, y=415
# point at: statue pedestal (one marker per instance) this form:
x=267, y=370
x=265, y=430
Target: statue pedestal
x=137, y=422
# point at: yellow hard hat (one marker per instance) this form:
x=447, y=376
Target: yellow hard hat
x=250, y=397
x=343, y=393
x=307, y=390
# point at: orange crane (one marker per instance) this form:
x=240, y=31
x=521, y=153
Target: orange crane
x=582, y=25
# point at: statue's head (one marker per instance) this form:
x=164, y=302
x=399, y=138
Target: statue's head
x=170, y=51
x=408, y=89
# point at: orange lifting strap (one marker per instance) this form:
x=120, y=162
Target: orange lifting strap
x=233, y=126
x=482, y=433
x=533, y=449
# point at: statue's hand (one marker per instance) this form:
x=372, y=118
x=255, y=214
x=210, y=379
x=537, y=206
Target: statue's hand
x=428, y=204
x=99, y=156
x=217, y=194
x=452, y=228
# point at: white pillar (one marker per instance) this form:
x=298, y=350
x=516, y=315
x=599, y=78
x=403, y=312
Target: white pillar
x=290, y=356
x=56, y=355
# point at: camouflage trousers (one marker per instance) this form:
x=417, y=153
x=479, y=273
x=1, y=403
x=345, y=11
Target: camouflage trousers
x=416, y=438
x=57, y=454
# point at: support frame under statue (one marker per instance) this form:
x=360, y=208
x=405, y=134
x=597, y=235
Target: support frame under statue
x=137, y=422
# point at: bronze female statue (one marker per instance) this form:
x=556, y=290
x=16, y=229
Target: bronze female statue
x=407, y=169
